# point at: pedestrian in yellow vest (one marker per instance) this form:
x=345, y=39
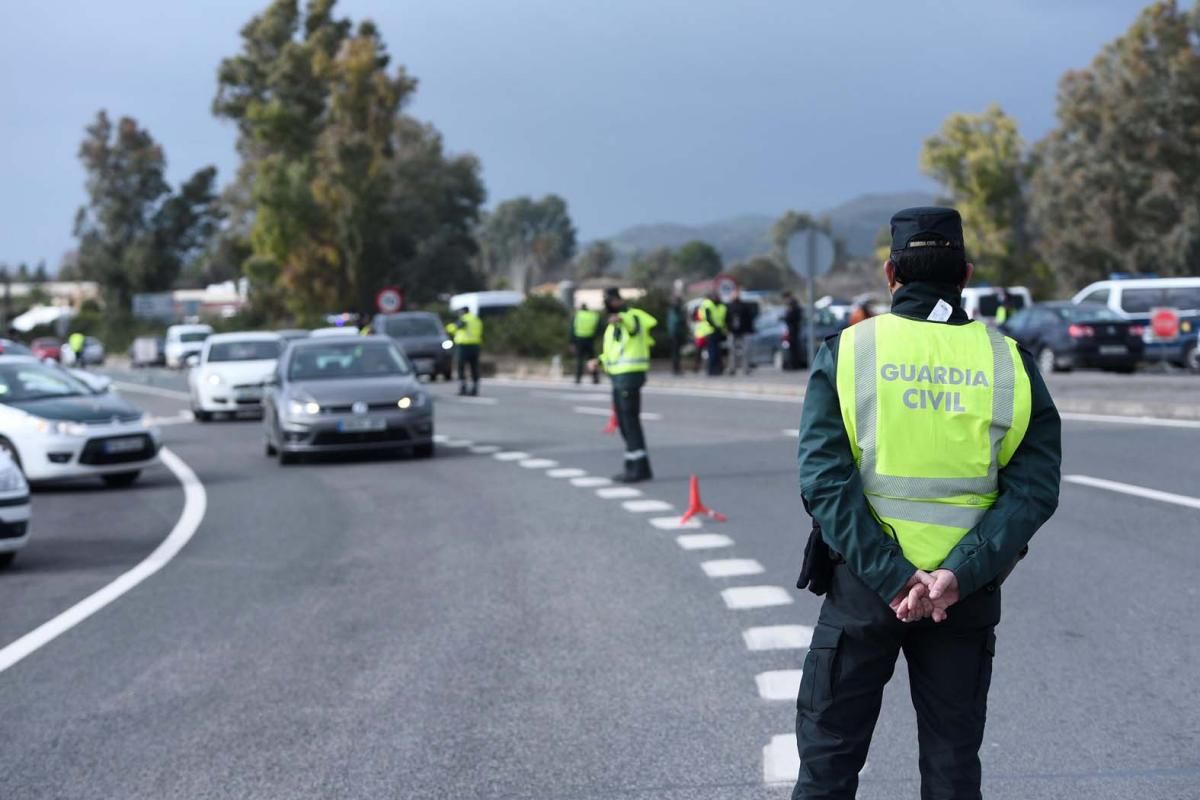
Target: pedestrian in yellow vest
x=929, y=456
x=76, y=341
x=467, y=331
x=626, y=359
x=712, y=330
x=584, y=325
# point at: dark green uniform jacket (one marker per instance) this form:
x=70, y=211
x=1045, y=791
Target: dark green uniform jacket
x=833, y=490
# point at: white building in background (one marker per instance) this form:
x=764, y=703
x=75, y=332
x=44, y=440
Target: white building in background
x=65, y=294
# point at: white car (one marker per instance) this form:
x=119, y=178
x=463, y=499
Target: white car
x=340, y=330
x=183, y=341
x=14, y=510
x=55, y=426
x=231, y=373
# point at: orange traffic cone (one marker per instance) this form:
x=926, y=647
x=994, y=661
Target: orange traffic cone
x=697, y=507
x=612, y=425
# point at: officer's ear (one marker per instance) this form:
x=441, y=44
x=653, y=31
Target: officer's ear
x=970, y=270
x=889, y=272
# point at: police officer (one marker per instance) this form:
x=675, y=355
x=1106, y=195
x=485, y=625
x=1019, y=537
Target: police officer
x=583, y=337
x=929, y=455
x=712, y=329
x=77, y=341
x=467, y=331
x=626, y=358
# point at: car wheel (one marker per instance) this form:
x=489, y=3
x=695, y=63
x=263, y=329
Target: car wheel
x=270, y=448
x=1191, y=359
x=448, y=376
x=202, y=416
x=1047, y=362
x=121, y=480
x=423, y=450
x=6, y=559
x=287, y=459
x=8, y=447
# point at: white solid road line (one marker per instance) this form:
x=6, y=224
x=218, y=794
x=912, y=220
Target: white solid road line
x=590, y=481
x=538, y=463
x=182, y=418
x=566, y=472
x=781, y=759
x=599, y=411
x=647, y=505
x=778, y=684
x=778, y=637
x=1136, y=491
x=173, y=394
x=440, y=438
x=195, y=501
x=485, y=449
x=510, y=455
x=703, y=541
x=673, y=524
x=1161, y=422
x=458, y=443
x=739, y=598
x=731, y=567
x=656, y=387
x=791, y=433
x=479, y=401
x=617, y=492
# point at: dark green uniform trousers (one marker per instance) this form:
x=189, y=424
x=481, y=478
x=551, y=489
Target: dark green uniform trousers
x=851, y=659
x=627, y=402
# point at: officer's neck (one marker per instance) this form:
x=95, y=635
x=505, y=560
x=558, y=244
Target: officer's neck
x=917, y=301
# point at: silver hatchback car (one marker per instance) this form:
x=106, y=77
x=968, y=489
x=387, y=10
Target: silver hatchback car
x=339, y=394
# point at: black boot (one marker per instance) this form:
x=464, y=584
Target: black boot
x=474, y=390
x=636, y=471
x=462, y=389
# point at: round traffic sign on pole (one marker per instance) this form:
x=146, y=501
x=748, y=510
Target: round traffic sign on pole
x=726, y=286
x=797, y=253
x=389, y=300
x=1165, y=323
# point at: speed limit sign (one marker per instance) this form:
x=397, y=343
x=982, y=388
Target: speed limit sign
x=389, y=300
x=726, y=286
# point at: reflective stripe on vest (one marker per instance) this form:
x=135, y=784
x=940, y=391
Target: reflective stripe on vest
x=956, y=404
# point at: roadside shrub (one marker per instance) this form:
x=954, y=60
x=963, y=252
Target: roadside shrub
x=538, y=328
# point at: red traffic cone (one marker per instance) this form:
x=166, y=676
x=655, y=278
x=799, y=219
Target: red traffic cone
x=697, y=507
x=612, y=425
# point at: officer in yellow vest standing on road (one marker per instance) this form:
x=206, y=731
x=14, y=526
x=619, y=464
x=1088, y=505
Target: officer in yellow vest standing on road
x=929, y=456
x=468, y=339
x=583, y=338
x=712, y=329
x=626, y=358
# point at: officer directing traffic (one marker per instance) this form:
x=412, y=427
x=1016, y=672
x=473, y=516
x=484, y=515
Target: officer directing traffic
x=467, y=331
x=584, y=324
x=626, y=358
x=929, y=456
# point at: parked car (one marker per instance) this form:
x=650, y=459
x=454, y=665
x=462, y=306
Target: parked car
x=1134, y=299
x=423, y=339
x=183, y=341
x=332, y=394
x=487, y=304
x=982, y=302
x=333, y=330
x=288, y=334
x=93, y=354
x=771, y=344
x=231, y=374
x=1065, y=335
x=55, y=426
x=148, y=351
x=14, y=510
x=47, y=347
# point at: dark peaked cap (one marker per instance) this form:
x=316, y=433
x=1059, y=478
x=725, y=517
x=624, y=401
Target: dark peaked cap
x=926, y=226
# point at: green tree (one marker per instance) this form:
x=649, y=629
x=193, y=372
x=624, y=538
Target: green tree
x=1118, y=180
x=982, y=162
x=655, y=269
x=595, y=261
x=528, y=240
x=135, y=233
x=762, y=273
x=696, y=260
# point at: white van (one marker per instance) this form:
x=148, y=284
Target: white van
x=1135, y=298
x=981, y=302
x=487, y=304
x=183, y=341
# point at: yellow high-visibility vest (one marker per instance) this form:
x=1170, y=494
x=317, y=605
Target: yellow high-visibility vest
x=933, y=412
x=468, y=329
x=585, y=323
x=627, y=344
x=703, y=327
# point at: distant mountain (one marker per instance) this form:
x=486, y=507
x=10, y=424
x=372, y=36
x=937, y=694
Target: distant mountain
x=857, y=221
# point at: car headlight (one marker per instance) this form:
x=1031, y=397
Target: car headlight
x=213, y=379
x=412, y=401
x=11, y=479
x=59, y=427
x=446, y=345
x=301, y=407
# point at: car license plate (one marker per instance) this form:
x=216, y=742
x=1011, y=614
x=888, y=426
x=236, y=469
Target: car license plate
x=1113, y=350
x=423, y=364
x=130, y=444
x=250, y=394
x=358, y=424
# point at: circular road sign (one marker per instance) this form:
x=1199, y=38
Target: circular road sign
x=797, y=253
x=389, y=300
x=1165, y=323
x=726, y=286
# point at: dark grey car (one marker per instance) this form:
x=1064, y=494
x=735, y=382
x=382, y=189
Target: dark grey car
x=422, y=337
x=340, y=394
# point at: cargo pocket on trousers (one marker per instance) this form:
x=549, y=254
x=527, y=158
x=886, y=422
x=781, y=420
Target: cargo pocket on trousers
x=817, y=682
x=985, y=668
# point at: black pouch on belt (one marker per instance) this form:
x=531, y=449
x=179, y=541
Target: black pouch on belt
x=817, y=571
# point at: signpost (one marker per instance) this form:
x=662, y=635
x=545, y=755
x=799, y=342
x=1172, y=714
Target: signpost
x=815, y=248
x=726, y=286
x=389, y=300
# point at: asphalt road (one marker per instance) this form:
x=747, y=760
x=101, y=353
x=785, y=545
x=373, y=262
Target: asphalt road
x=472, y=626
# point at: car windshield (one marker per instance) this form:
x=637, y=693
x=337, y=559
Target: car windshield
x=404, y=327
x=34, y=381
x=355, y=359
x=1089, y=312
x=197, y=336
x=248, y=350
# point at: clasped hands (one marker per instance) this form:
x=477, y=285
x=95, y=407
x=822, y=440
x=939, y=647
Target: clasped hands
x=927, y=594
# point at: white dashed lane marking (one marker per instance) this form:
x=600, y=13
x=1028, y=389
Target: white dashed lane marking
x=644, y=506
x=778, y=684
x=778, y=637
x=703, y=541
x=618, y=492
x=590, y=482
x=1135, y=491
x=791, y=433
x=479, y=401
x=600, y=411
x=731, y=567
x=458, y=443
x=566, y=472
x=781, y=759
x=739, y=598
x=538, y=463
x=485, y=449
x=673, y=524
x=440, y=438
x=510, y=455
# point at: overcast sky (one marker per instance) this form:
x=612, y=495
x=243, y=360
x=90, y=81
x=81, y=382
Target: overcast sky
x=635, y=111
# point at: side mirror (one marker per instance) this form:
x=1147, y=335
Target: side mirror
x=193, y=360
